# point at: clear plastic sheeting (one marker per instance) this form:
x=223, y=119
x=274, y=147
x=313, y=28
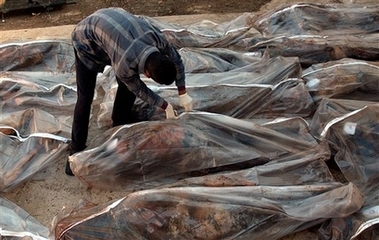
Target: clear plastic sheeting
x=35, y=120
x=23, y=157
x=24, y=102
x=355, y=138
x=37, y=87
x=313, y=49
x=141, y=154
x=45, y=56
x=330, y=109
x=238, y=212
x=19, y=95
x=209, y=60
x=307, y=170
x=346, y=78
x=315, y=19
x=16, y=223
x=207, y=34
x=359, y=130
x=265, y=71
x=289, y=98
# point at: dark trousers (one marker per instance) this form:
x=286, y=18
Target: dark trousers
x=86, y=83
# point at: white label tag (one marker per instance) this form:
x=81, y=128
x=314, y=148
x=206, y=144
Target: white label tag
x=350, y=127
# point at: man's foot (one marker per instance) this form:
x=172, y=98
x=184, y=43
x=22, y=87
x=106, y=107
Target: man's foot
x=68, y=169
x=72, y=151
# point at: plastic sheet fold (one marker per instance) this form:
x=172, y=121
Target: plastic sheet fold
x=43, y=55
x=206, y=34
x=16, y=223
x=314, y=18
x=24, y=156
x=313, y=49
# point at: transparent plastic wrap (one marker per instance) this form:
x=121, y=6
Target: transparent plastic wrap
x=330, y=109
x=206, y=34
x=301, y=169
x=319, y=19
x=44, y=55
x=31, y=104
x=355, y=138
x=346, y=78
x=45, y=99
x=18, y=94
x=209, y=60
x=160, y=152
x=22, y=157
x=237, y=212
x=266, y=71
x=35, y=120
x=45, y=79
x=16, y=223
x=287, y=99
x=262, y=70
x=312, y=49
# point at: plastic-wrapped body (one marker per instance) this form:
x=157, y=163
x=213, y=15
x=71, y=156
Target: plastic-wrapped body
x=44, y=55
x=150, y=154
x=346, y=78
x=237, y=212
x=319, y=19
x=23, y=157
x=354, y=136
x=207, y=34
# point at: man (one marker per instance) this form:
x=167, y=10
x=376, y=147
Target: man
x=131, y=45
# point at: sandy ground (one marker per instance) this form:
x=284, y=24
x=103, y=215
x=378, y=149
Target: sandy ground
x=45, y=198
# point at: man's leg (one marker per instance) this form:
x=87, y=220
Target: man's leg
x=123, y=104
x=86, y=82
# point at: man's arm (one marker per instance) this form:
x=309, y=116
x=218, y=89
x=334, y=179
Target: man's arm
x=139, y=88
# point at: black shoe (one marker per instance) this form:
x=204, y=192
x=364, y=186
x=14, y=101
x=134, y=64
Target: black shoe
x=68, y=169
x=72, y=152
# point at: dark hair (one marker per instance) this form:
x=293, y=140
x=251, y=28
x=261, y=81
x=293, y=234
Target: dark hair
x=161, y=68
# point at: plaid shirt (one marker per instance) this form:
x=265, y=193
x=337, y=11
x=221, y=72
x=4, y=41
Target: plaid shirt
x=115, y=37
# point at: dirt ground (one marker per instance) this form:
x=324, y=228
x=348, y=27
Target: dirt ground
x=72, y=13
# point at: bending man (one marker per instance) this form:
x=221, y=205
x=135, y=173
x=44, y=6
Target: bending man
x=132, y=46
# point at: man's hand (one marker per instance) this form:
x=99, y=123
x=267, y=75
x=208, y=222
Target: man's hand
x=170, y=112
x=186, y=102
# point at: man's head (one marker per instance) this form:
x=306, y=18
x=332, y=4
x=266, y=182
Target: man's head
x=160, y=68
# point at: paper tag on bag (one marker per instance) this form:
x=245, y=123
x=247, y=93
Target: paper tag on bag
x=349, y=128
